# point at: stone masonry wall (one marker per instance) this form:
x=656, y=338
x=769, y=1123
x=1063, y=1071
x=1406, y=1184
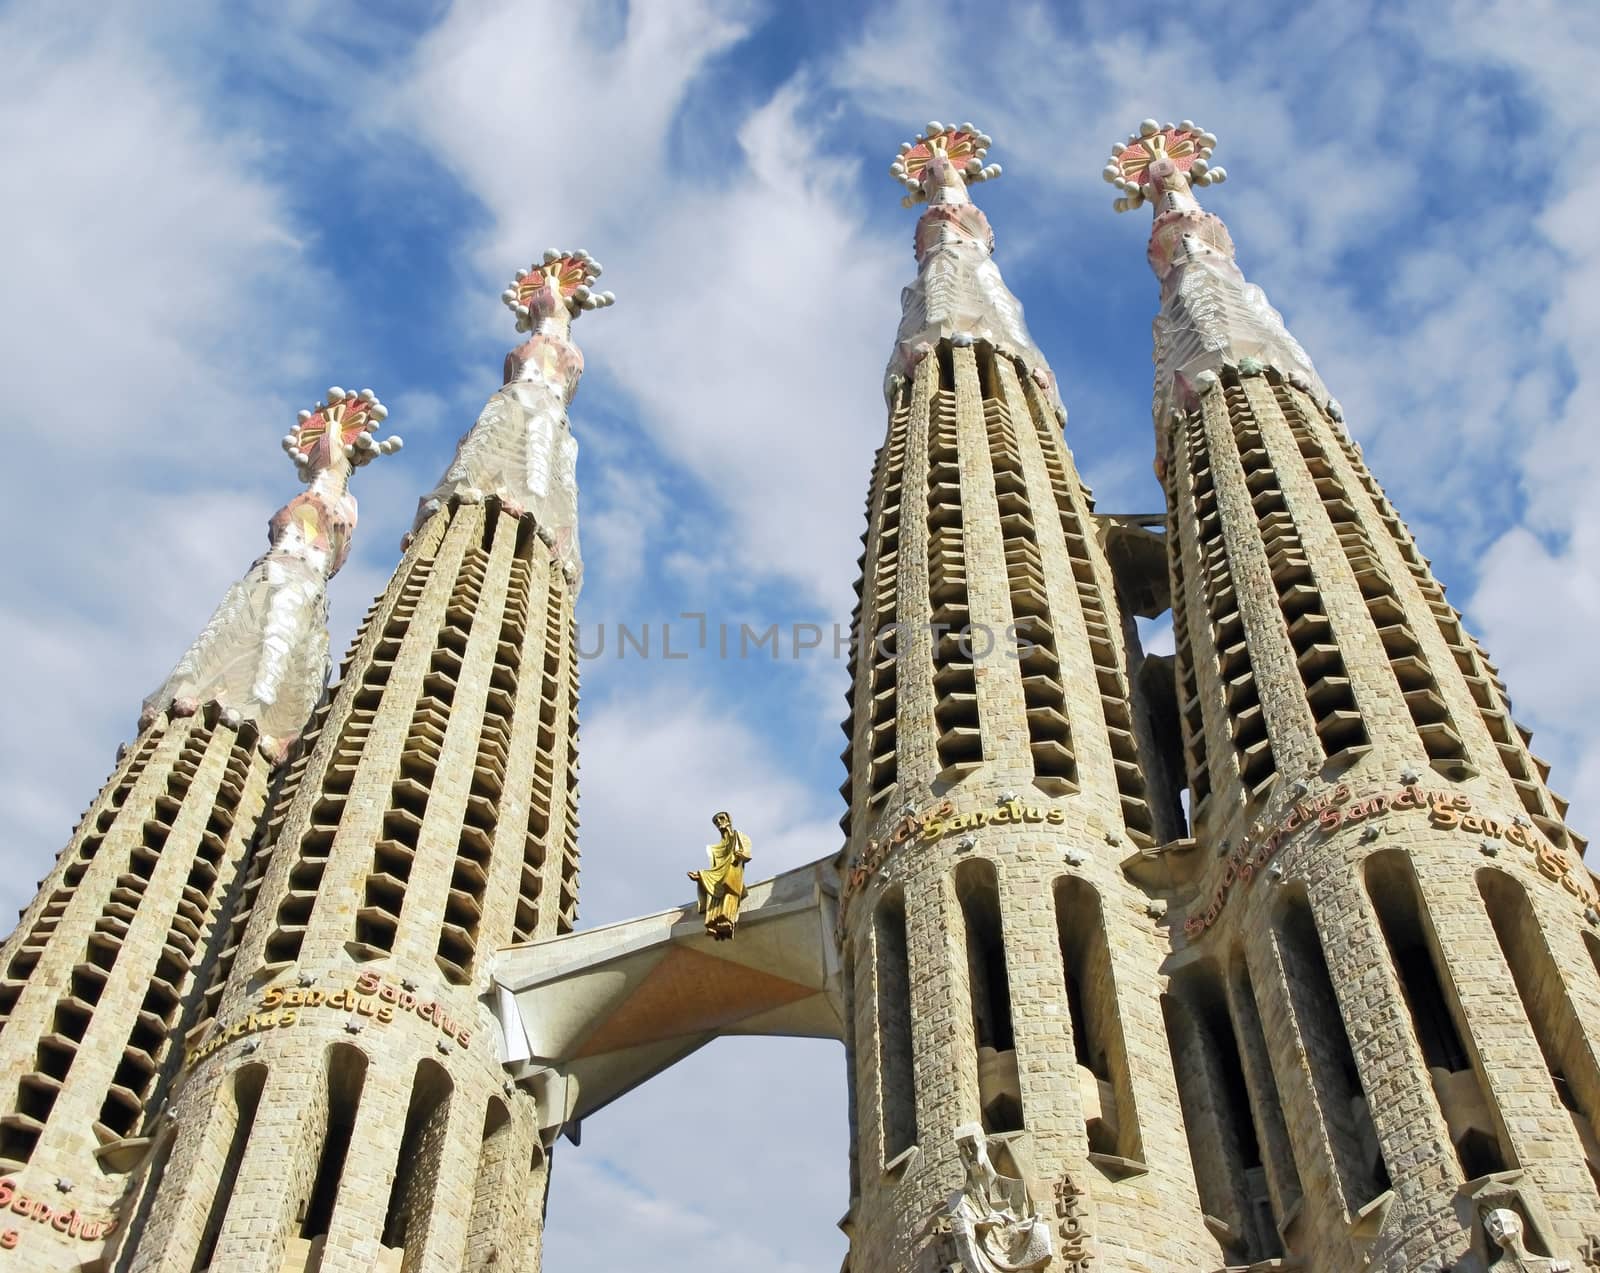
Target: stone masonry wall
x=98, y=983
x=1390, y=793
x=433, y=825
x=1137, y=1206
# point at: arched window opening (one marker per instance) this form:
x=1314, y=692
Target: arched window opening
x=1550, y=1011
x=347, y=1076
x=493, y=1193
x=989, y=989
x=535, y=1199
x=1218, y=1118
x=1463, y=1097
x=897, y=1092
x=1105, y=1085
x=851, y=1054
x=1326, y=1045
x=1283, y=1177
x=247, y=1086
x=405, y=1224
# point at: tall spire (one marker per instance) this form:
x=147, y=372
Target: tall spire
x=433, y=822
x=1328, y=696
x=521, y=450
x=992, y=773
x=1210, y=314
x=959, y=295
x=263, y=657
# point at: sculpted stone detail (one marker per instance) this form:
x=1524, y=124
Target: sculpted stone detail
x=263, y=656
x=1503, y=1227
x=993, y=1222
x=1070, y=1224
x=1210, y=314
x=1321, y=815
x=959, y=294
x=22, y=1215
x=371, y=995
x=945, y=819
x=721, y=886
x=521, y=450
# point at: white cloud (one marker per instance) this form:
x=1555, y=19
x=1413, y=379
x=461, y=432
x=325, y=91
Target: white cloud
x=653, y=1174
x=755, y=311
x=1457, y=327
x=154, y=300
x=754, y=340
x=621, y=524
x=555, y=121
x=142, y=237
x=1538, y=593
x=735, y=1161
x=147, y=251
x=656, y=766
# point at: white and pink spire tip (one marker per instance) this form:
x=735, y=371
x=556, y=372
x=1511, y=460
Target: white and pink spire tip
x=564, y=277
x=1186, y=146
x=938, y=152
x=347, y=420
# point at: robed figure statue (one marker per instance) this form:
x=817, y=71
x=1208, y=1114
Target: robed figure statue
x=721, y=886
x=993, y=1222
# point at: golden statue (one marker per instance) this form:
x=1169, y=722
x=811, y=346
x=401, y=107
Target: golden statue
x=721, y=887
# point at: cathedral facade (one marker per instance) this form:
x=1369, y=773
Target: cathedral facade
x=1272, y=953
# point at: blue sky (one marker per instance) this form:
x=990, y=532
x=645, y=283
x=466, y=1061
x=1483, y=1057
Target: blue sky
x=212, y=213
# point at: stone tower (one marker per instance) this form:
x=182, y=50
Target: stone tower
x=1003, y=972
x=344, y=1106
x=1385, y=983
x=100, y=980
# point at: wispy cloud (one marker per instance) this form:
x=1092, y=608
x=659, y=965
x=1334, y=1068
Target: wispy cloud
x=202, y=244
x=147, y=306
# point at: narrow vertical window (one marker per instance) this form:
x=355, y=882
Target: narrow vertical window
x=1105, y=1085
x=1326, y=1046
x=247, y=1085
x=405, y=1224
x=851, y=1054
x=347, y=1076
x=1464, y=1099
x=989, y=989
x=1283, y=1177
x=1555, y=1021
x=1217, y=1115
x=897, y=1082
x=535, y=1198
x=492, y=1192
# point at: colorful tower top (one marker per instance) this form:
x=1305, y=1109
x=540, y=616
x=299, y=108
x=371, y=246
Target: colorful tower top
x=263, y=657
x=959, y=295
x=521, y=450
x=1210, y=315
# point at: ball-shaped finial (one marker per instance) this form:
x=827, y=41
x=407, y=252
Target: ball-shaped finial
x=563, y=278
x=1186, y=145
x=343, y=423
x=958, y=149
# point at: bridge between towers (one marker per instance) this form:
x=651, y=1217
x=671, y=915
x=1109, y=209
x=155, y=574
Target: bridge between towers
x=588, y=1016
